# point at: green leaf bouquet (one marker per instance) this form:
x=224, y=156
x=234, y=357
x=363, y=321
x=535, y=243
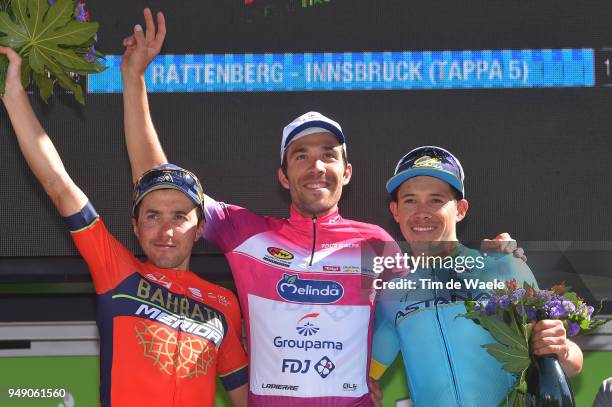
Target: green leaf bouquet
x=56, y=41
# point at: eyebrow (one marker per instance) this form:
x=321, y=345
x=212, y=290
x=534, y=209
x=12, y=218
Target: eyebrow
x=326, y=147
x=156, y=212
x=410, y=194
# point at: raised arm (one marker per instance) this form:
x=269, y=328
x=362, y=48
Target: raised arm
x=144, y=148
x=37, y=148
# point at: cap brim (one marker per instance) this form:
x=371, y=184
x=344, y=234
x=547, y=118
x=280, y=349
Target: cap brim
x=166, y=185
x=315, y=123
x=397, y=180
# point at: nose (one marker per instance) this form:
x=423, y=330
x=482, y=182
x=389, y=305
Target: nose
x=317, y=167
x=423, y=212
x=166, y=229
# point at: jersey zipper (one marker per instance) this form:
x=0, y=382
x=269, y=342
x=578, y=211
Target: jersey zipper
x=446, y=348
x=314, y=238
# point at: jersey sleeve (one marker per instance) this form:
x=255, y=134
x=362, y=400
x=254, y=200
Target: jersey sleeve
x=232, y=365
x=107, y=259
x=228, y=225
x=385, y=343
x=507, y=267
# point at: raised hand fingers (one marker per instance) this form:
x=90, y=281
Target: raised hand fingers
x=10, y=53
x=161, y=33
x=150, y=26
x=129, y=41
x=139, y=36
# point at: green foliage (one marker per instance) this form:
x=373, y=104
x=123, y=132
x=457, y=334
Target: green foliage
x=52, y=44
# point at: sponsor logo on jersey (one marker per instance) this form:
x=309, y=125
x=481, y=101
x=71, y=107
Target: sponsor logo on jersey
x=278, y=256
x=324, y=367
x=281, y=254
x=211, y=330
x=351, y=269
x=305, y=326
x=280, y=386
x=305, y=344
x=331, y=268
x=174, y=305
x=295, y=366
x=340, y=245
x=349, y=387
x=295, y=289
x=159, y=279
x=415, y=307
x=195, y=292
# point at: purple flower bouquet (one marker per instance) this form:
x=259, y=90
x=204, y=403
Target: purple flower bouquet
x=508, y=316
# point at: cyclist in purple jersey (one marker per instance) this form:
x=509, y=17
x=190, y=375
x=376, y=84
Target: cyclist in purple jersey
x=299, y=280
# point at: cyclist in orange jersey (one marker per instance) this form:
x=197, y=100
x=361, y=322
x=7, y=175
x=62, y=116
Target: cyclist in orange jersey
x=165, y=334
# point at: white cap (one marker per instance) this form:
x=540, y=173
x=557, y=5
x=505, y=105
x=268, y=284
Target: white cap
x=309, y=123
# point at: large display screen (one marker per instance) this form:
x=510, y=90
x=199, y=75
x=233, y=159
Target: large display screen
x=518, y=91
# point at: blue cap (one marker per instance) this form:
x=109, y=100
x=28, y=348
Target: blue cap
x=430, y=161
x=168, y=176
x=309, y=123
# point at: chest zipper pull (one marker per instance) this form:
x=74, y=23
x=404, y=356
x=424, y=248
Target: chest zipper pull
x=314, y=237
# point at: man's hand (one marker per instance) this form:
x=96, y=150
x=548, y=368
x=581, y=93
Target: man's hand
x=503, y=243
x=141, y=48
x=376, y=395
x=549, y=337
x=13, y=75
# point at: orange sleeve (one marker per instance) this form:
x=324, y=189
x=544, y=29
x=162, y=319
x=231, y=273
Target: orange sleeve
x=108, y=260
x=232, y=363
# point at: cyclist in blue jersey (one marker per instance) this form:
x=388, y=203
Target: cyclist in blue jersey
x=442, y=354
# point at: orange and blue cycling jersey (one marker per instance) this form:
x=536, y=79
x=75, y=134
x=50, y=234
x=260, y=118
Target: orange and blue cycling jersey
x=164, y=334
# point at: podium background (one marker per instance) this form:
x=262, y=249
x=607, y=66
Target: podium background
x=537, y=161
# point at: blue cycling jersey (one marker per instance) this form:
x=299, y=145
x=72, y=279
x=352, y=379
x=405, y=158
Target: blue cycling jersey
x=442, y=354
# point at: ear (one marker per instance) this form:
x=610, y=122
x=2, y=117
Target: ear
x=393, y=209
x=348, y=172
x=135, y=227
x=199, y=231
x=462, y=208
x=282, y=178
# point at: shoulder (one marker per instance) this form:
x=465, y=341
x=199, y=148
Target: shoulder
x=368, y=230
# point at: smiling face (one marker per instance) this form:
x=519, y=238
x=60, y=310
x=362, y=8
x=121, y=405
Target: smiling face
x=316, y=173
x=166, y=228
x=427, y=210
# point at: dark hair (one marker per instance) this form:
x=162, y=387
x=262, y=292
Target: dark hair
x=284, y=163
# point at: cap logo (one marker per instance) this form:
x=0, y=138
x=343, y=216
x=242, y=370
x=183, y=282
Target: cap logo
x=166, y=178
x=427, y=161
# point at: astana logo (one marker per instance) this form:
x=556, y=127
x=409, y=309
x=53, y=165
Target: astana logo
x=189, y=358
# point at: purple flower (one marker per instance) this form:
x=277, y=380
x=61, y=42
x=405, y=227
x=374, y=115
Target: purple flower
x=568, y=307
x=490, y=307
x=544, y=295
x=81, y=13
x=559, y=308
x=531, y=313
x=90, y=56
x=590, y=311
x=554, y=309
x=52, y=2
x=504, y=300
x=572, y=328
x=517, y=295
